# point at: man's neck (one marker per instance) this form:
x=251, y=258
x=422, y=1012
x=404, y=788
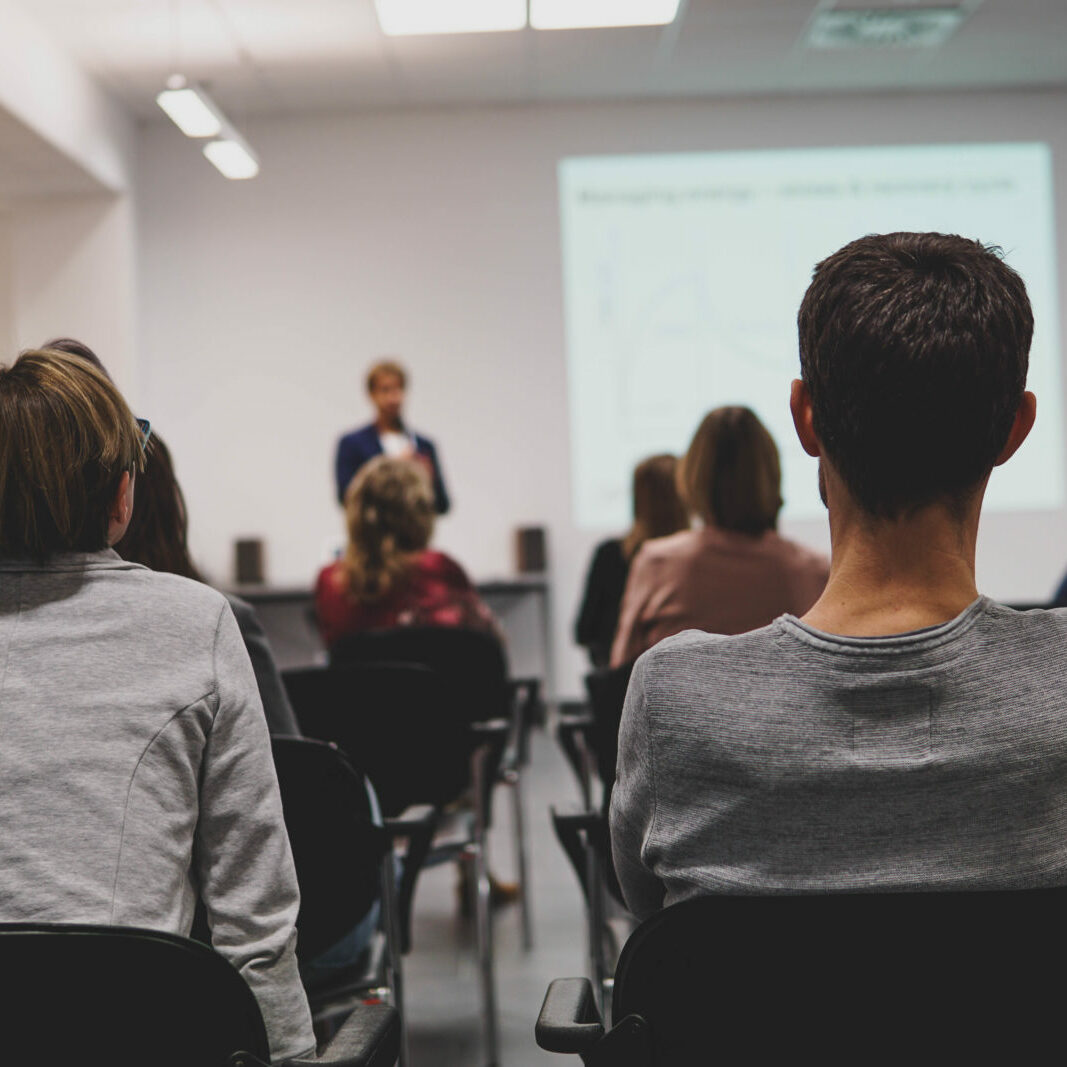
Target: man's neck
x=385, y=425
x=889, y=577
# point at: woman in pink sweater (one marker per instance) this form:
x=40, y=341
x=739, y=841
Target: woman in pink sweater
x=733, y=573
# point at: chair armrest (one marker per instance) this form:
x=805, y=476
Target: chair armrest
x=577, y=719
x=490, y=730
x=418, y=823
x=411, y=820
x=369, y=1037
x=569, y=1020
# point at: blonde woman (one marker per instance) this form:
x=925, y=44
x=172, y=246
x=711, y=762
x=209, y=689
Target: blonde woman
x=388, y=575
x=734, y=573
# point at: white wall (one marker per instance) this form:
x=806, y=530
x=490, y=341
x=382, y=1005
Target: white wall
x=69, y=273
x=43, y=88
x=434, y=235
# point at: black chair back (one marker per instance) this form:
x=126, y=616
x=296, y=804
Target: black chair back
x=393, y=720
x=122, y=998
x=337, y=849
x=471, y=664
x=919, y=978
x=607, y=694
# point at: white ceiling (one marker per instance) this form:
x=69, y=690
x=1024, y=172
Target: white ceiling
x=304, y=56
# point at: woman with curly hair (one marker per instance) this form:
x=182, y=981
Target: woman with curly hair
x=388, y=575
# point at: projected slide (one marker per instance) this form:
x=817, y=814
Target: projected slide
x=683, y=275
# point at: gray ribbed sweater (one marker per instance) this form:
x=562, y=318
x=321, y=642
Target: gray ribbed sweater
x=135, y=769
x=787, y=760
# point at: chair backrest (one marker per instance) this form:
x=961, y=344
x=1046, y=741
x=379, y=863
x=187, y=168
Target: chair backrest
x=927, y=978
x=391, y=720
x=337, y=849
x=607, y=693
x=471, y=664
x=122, y=998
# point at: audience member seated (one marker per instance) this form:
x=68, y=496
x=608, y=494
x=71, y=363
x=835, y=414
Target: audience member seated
x=137, y=768
x=388, y=576
x=658, y=511
x=734, y=573
x=906, y=733
x=158, y=538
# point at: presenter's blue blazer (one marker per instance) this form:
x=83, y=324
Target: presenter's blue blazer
x=355, y=448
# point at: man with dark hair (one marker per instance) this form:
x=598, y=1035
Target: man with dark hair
x=906, y=733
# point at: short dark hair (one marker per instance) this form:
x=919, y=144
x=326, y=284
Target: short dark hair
x=731, y=476
x=914, y=348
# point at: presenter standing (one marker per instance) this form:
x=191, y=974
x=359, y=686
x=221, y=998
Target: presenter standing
x=387, y=435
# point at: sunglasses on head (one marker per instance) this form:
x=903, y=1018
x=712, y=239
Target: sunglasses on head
x=146, y=431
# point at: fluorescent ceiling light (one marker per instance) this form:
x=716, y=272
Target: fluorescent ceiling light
x=916, y=27
x=190, y=108
x=588, y=14
x=400, y=18
x=232, y=157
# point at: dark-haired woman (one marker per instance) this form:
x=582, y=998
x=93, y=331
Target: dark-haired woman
x=734, y=573
x=157, y=537
x=658, y=511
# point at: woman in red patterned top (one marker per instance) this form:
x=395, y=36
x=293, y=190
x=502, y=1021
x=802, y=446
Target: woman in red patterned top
x=388, y=576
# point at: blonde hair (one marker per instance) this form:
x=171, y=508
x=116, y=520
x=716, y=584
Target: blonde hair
x=389, y=508
x=731, y=476
x=383, y=367
x=66, y=438
x=658, y=509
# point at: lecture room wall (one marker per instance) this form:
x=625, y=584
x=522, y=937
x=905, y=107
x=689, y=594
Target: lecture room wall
x=434, y=235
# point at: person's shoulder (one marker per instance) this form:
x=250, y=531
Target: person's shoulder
x=170, y=596
x=674, y=546
x=359, y=436
x=439, y=564
x=608, y=550
x=331, y=577
x=1031, y=624
x=423, y=444
x=708, y=655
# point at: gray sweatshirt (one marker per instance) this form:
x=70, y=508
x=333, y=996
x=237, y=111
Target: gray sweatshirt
x=787, y=760
x=135, y=770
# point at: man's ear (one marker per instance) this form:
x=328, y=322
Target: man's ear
x=1025, y=414
x=800, y=406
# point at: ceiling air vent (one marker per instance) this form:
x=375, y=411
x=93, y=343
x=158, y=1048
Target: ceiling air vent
x=916, y=27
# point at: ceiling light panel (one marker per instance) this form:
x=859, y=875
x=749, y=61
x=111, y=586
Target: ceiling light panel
x=191, y=110
x=922, y=27
x=232, y=158
x=400, y=18
x=589, y=14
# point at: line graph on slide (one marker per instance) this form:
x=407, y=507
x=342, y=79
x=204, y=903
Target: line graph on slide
x=683, y=274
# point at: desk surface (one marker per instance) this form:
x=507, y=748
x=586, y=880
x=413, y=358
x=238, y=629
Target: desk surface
x=278, y=594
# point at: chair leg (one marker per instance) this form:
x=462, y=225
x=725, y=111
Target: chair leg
x=477, y=853
x=596, y=916
x=518, y=812
x=393, y=940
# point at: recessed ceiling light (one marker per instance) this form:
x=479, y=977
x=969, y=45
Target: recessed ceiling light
x=916, y=27
x=232, y=158
x=399, y=18
x=589, y=14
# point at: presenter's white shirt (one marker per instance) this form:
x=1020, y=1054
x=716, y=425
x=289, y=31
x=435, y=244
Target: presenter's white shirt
x=397, y=445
